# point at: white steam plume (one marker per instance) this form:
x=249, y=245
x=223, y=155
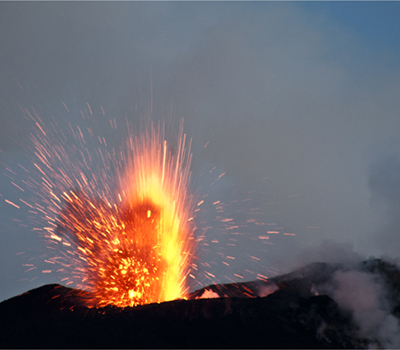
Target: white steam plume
x=365, y=295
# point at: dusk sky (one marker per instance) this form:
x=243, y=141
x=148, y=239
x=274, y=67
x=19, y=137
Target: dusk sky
x=297, y=103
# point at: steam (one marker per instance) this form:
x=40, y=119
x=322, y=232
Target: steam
x=356, y=290
x=365, y=295
x=264, y=290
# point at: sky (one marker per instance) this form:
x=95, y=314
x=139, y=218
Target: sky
x=297, y=103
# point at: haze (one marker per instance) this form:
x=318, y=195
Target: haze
x=297, y=103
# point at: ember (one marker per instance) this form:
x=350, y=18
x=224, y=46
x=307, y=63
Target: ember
x=129, y=244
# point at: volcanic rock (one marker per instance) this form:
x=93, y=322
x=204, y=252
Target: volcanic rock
x=292, y=316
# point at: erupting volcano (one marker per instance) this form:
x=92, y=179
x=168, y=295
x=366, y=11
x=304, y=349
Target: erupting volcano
x=118, y=226
x=127, y=240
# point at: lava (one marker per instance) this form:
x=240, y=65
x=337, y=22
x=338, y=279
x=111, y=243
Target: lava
x=118, y=218
x=124, y=235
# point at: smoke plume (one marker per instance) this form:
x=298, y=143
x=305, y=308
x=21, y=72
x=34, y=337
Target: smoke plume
x=365, y=295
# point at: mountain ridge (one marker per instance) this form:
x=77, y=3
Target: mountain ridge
x=293, y=315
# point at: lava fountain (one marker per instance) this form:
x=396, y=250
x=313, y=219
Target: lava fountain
x=130, y=243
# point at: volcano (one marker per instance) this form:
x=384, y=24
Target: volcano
x=290, y=315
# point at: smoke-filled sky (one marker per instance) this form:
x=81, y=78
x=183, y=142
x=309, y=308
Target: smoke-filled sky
x=297, y=103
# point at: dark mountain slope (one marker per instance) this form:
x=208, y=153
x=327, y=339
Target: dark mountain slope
x=292, y=316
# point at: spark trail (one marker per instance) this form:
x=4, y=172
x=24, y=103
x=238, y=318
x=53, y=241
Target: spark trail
x=119, y=220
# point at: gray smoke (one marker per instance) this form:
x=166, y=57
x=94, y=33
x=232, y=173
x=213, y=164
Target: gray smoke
x=365, y=295
x=287, y=98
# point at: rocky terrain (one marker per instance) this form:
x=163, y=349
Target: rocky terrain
x=288, y=311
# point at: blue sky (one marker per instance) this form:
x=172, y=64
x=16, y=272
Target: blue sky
x=298, y=102
x=375, y=24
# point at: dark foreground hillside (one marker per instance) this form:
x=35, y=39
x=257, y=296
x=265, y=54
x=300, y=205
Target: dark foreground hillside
x=53, y=316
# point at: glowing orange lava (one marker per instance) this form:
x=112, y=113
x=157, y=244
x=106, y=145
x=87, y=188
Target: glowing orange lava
x=128, y=245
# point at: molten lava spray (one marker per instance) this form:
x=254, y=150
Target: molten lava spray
x=128, y=245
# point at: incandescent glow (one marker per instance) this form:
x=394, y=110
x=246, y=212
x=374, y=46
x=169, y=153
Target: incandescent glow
x=119, y=220
x=126, y=236
x=155, y=182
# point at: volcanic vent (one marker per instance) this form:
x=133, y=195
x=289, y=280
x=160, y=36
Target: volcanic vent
x=118, y=221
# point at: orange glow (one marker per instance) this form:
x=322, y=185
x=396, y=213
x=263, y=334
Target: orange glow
x=156, y=182
x=128, y=245
x=119, y=219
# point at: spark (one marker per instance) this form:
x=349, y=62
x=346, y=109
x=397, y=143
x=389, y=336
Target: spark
x=14, y=205
x=127, y=237
x=121, y=220
x=220, y=176
x=90, y=110
x=262, y=277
